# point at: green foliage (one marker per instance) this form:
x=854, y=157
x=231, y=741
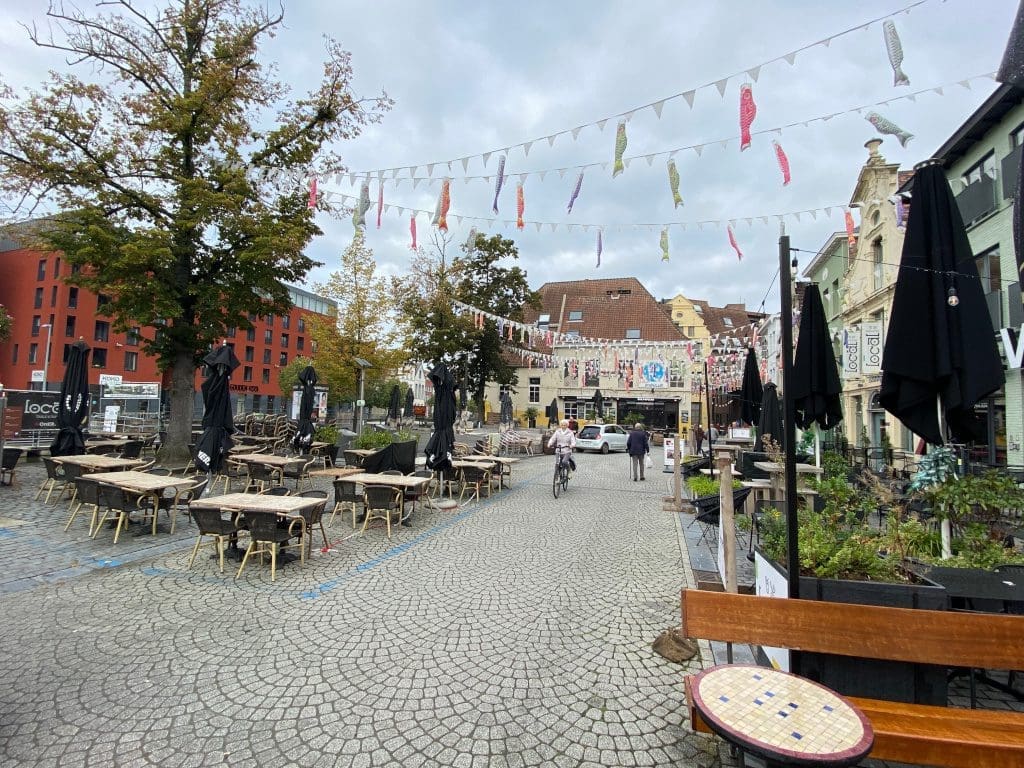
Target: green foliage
x=326, y=433
x=834, y=465
x=531, y=412
x=973, y=498
x=630, y=419
x=6, y=324
x=372, y=439
x=288, y=378
x=934, y=467
x=705, y=485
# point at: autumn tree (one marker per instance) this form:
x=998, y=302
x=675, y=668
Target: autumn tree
x=174, y=171
x=364, y=326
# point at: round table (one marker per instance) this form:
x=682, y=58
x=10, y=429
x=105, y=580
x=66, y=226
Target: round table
x=786, y=719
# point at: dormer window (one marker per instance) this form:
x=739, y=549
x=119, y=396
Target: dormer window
x=698, y=309
x=575, y=315
x=633, y=333
x=543, y=320
x=727, y=321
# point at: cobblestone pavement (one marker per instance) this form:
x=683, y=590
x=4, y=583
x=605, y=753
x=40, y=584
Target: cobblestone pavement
x=514, y=631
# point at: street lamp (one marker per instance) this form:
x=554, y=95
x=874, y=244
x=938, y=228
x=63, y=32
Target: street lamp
x=46, y=353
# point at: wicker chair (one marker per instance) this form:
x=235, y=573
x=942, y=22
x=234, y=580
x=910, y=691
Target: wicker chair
x=345, y=495
x=211, y=522
x=55, y=480
x=315, y=517
x=115, y=503
x=10, y=459
x=266, y=538
x=477, y=478
x=381, y=501
x=87, y=493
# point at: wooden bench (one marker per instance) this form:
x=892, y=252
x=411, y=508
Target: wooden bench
x=909, y=733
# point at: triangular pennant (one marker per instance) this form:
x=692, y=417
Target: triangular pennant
x=415, y=183
x=828, y=210
x=688, y=95
x=649, y=159
x=656, y=106
x=449, y=166
x=538, y=225
x=394, y=172
x=551, y=139
x=523, y=177
x=604, y=166
x=561, y=173
x=628, y=116
x=750, y=222
x=938, y=90
x=764, y=220
x=526, y=148
x=576, y=132
x=352, y=179
x=412, y=171
x=790, y=58
x=814, y=213
x=721, y=84
x=699, y=148
x=966, y=84
x=600, y=123
x=486, y=156
x=754, y=72
x=626, y=161
x=465, y=164
x=826, y=41
x=430, y=169
x=554, y=226
x=912, y=96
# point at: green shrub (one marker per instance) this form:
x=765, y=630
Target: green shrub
x=370, y=439
x=703, y=485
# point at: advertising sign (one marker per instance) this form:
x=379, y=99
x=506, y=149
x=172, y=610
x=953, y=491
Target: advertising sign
x=851, y=352
x=29, y=411
x=132, y=390
x=871, y=347
x=653, y=374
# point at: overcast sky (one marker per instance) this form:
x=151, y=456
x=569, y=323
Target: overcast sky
x=472, y=78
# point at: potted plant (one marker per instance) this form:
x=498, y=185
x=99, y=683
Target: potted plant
x=705, y=493
x=328, y=433
x=531, y=416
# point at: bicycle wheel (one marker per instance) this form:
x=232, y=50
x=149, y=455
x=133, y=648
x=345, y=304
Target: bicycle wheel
x=556, y=486
x=565, y=478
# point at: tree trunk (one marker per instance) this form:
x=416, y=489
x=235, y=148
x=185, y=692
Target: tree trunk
x=179, y=424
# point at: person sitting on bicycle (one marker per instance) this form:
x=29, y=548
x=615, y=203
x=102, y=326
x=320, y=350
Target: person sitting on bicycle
x=563, y=441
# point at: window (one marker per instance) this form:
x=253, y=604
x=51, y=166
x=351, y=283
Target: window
x=312, y=346
x=69, y=326
x=53, y=296
x=698, y=309
x=284, y=340
x=689, y=330
x=33, y=353
x=266, y=375
x=56, y=268
x=14, y=354
x=250, y=354
x=876, y=257
x=988, y=270
x=102, y=300
x=250, y=334
x=570, y=409
x=99, y=357
x=300, y=343
x=543, y=320
x=632, y=333
x=984, y=169
x=727, y=322
x=535, y=389
x=283, y=359
x=575, y=315
x=875, y=218
x=247, y=373
x=286, y=322
x=67, y=354
x=231, y=331
x=270, y=403
x=76, y=268
x=826, y=297
x=36, y=320
x=572, y=334
x=835, y=296
x=132, y=337
x=1017, y=136
x=268, y=336
x=269, y=319
x=102, y=332
x=302, y=324
x=38, y=298
x=131, y=361
x=266, y=357
x=72, y=297
x=41, y=272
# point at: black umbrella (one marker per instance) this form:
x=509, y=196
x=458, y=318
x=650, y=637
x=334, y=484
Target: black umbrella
x=218, y=426
x=395, y=404
x=304, y=437
x=598, y=404
x=552, y=412
x=940, y=348
x=1011, y=72
x=815, y=384
x=407, y=411
x=442, y=441
x=74, y=403
x=752, y=391
x=770, y=422
x=506, y=408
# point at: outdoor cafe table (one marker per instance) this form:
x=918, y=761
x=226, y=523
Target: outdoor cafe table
x=401, y=482
x=484, y=460
x=777, y=471
x=335, y=472
x=98, y=461
x=782, y=717
x=92, y=445
x=270, y=459
x=143, y=483
x=285, y=506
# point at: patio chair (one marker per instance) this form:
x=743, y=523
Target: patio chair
x=56, y=479
x=477, y=478
x=266, y=538
x=115, y=503
x=261, y=476
x=299, y=470
x=132, y=449
x=211, y=522
x=276, y=490
x=10, y=459
x=87, y=493
x=102, y=450
x=352, y=459
x=230, y=470
x=415, y=494
x=315, y=517
x=345, y=495
x=381, y=501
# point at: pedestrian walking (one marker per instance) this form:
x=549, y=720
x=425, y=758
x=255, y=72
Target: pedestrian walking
x=638, y=446
x=698, y=438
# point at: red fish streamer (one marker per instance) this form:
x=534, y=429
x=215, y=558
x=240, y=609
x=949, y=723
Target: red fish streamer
x=444, y=202
x=734, y=244
x=780, y=155
x=851, y=238
x=520, y=206
x=380, y=201
x=312, y=193
x=748, y=111
x=412, y=231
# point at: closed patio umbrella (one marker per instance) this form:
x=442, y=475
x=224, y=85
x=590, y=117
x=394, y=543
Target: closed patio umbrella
x=442, y=440
x=598, y=404
x=395, y=404
x=940, y=355
x=816, y=386
x=304, y=436
x=506, y=408
x=407, y=410
x=74, y=403
x=752, y=391
x=552, y=413
x=1011, y=72
x=769, y=424
x=218, y=425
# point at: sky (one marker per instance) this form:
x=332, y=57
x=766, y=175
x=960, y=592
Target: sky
x=470, y=79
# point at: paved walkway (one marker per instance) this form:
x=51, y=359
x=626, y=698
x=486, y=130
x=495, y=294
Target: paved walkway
x=511, y=632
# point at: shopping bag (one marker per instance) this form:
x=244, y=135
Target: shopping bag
x=647, y=461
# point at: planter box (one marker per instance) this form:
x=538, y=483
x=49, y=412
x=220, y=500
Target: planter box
x=852, y=676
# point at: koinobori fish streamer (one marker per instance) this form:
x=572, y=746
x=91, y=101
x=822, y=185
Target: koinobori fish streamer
x=575, y=191
x=673, y=183
x=851, y=237
x=895, y=50
x=499, y=180
x=780, y=155
x=734, y=244
x=359, y=212
x=444, y=201
x=520, y=206
x=664, y=244
x=748, y=111
x=412, y=231
x=888, y=127
x=620, y=148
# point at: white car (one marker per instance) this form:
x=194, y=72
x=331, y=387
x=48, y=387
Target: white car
x=602, y=437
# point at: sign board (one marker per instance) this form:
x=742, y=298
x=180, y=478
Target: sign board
x=768, y=582
x=851, y=352
x=109, y=379
x=739, y=433
x=127, y=390
x=319, y=404
x=28, y=412
x=670, y=447
x=871, y=343
x=38, y=377
x=653, y=373
x=110, y=414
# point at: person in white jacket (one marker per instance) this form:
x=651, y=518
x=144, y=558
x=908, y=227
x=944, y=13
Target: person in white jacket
x=563, y=441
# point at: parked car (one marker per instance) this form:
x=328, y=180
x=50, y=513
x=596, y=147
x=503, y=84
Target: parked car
x=602, y=437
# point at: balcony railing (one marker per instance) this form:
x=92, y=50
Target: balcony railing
x=977, y=200
x=1010, y=166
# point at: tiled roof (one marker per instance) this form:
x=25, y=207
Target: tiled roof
x=608, y=308
x=730, y=320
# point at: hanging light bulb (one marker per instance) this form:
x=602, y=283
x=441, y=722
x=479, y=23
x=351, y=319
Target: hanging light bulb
x=952, y=299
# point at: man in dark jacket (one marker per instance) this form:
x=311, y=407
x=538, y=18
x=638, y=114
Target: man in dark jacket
x=638, y=447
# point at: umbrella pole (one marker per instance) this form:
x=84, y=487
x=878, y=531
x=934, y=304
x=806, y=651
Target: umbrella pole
x=945, y=528
x=789, y=426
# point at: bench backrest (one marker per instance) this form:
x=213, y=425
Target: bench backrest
x=947, y=638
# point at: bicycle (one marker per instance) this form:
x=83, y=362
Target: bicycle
x=561, y=479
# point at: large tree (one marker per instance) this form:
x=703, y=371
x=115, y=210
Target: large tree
x=175, y=174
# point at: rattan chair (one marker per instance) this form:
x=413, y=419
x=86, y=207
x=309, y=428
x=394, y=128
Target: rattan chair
x=299, y=471
x=116, y=503
x=266, y=538
x=315, y=517
x=87, y=493
x=8, y=463
x=55, y=479
x=345, y=496
x=276, y=490
x=477, y=478
x=261, y=476
x=381, y=501
x=211, y=522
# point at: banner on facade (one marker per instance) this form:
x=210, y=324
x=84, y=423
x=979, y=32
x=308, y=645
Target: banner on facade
x=851, y=352
x=871, y=343
x=653, y=374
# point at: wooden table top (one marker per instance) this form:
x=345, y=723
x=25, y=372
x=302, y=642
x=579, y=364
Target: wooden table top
x=282, y=505
x=398, y=481
x=140, y=481
x=782, y=716
x=336, y=472
x=483, y=458
x=265, y=458
x=771, y=466
x=362, y=451
x=98, y=461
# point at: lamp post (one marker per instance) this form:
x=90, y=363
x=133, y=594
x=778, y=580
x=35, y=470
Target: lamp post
x=46, y=353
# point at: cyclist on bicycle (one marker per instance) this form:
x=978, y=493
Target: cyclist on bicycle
x=563, y=441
